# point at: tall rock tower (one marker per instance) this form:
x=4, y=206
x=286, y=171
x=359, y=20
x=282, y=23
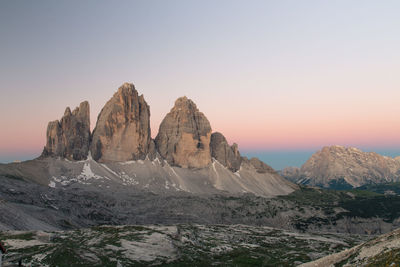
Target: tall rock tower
x=70, y=137
x=184, y=136
x=122, y=130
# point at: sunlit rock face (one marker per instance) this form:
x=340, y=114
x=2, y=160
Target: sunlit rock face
x=122, y=131
x=184, y=136
x=70, y=137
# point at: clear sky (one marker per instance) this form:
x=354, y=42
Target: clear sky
x=273, y=76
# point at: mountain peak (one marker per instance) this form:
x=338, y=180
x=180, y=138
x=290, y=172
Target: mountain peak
x=184, y=136
x=348, y=166
x=122, y=130
x=185, y=104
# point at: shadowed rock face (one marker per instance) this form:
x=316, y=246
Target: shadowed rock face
x=184, y=136
x=69, y=137
x=123, y=127
x=228, y=156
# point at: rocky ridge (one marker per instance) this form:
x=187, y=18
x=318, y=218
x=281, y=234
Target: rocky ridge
x=70, y=137
x=339, y=166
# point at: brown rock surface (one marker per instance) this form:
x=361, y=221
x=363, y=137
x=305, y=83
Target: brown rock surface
x=122, y=131
x=184, y=136
x=69, y=137
x=227, y=155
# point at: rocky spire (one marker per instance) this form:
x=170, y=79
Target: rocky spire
x=123, y=127
x=184, y=136
x=228, y=156
x=69, y=137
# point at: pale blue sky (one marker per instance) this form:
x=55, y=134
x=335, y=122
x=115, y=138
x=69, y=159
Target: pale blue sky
x=270, y=75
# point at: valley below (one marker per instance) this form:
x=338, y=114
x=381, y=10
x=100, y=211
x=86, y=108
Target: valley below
x=102, y=223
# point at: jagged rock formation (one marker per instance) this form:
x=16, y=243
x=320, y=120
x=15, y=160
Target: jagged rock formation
x=184, y=136
x=69, y=137
x=122, y=131
x=228, y=156
x=178, y=160
x=341, y=167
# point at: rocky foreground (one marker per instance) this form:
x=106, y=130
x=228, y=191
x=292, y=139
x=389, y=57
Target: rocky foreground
x=172, y=245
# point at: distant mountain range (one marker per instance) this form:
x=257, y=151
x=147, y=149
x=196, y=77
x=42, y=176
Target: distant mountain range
x=340, y=167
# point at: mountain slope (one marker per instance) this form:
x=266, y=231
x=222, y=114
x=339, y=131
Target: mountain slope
x=381, y=251
x=155, y=176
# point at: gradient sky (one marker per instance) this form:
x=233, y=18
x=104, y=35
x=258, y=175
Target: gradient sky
x=283, y=77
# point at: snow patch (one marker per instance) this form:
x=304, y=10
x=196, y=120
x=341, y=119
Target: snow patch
x=87, y=173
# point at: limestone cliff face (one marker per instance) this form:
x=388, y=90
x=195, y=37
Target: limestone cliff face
x=122, y=131
x=184, y=136
x=227, y=155
x=69, y=137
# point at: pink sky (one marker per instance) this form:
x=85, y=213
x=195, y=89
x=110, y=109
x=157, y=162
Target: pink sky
x=269, y=75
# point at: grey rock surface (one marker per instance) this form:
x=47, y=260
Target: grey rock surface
x=227, y=155
x=184, y=136
x=123, y=127
x=69, y=137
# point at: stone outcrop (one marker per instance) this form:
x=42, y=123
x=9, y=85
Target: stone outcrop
x=227, y=155
x=184, y=136
x=70, y=137
x=122, y=130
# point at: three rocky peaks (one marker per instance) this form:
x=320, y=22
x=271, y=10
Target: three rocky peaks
x=123, y=133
